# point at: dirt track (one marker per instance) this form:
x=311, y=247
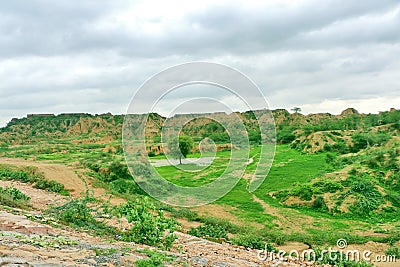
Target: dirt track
x=73, y=180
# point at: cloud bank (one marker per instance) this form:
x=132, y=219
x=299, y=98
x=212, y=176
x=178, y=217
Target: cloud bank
x=91, y=56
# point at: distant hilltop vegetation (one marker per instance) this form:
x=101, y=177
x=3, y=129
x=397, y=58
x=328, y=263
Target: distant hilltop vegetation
x=309, y=133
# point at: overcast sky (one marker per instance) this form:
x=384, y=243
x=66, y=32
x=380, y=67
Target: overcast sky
x=91, y=56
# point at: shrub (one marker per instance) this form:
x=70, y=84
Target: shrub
x=285, y=137
x=12, y=197
x=209, y=231
x=326, y=186
x=51, y=186
x=249, y=241
x=393, y=250
x=282, y=195
x=224, y=223
x=122, y=186
x=363, y=140
x=340, y=147
x=364, y=187
x=149, y=229
x=186, y=213
x=327, y=147
x=22, y=176
x=394, y=198
x=75, y=213
x=140, y=169
x=155, y=259
x=304, y=192
x=319, y=203
x=30, y=175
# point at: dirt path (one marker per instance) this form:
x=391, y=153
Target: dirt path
x=287, y=221
x=73, y=180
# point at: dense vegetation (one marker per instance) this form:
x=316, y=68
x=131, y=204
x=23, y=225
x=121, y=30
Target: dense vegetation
x=333, y=177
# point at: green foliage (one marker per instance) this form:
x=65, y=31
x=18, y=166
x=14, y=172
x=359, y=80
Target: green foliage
x=340, y=147
x=51, y=186
x=319, y=204
x=75, y=213
x=363, y=140
x=326, y=186
x=180, y=148
x=304, y=192
x=139, y=169
x=110, y=171
x=368, y=197
x=185, y=144
x=186, y=213
x=49, y=241
x=393, y=250
x=80, y=213
x=37, y=180
x=122, y=186
x=22, y=176
x=249, y=241
x=219, y=222
x=156, y=259
x=119, y=171
x=148, y=228
x=333, y=161
x=394, y=198
x=285, y=136
x=213, y=231
x=12, y=197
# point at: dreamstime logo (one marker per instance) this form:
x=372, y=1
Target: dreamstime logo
x=341, y=243
x=187, y=93
x=321, y=255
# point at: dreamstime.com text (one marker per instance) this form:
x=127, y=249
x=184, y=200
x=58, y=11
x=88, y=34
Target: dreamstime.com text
x=311, y=255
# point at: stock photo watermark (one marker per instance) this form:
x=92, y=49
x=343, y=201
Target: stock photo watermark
x=339, y=253
x=181, y=92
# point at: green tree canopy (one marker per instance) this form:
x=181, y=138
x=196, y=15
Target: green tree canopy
x=182, y=149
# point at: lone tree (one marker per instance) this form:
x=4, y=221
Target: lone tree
x=296, y=110
x=182, y=149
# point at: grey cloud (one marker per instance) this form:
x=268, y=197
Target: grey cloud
x=49, y=28
x=58, y=55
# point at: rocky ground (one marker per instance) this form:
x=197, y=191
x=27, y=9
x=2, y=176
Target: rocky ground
x=31, y=238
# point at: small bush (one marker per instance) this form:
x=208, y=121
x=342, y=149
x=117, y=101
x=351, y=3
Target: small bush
x=51, y=186
x=319, y=203
x=148, y=228
x=155, y=259
x=249, y=241
x=282, y=195
x=186, y=213
x=326, y=186
x=75, y=213
x=209, y=231
x=30, y=175
x=122, y=186
x=14, y=175
x=327, y=147
x=304, y=192
x=224, y=223
x=393, y=250
x=12, y=197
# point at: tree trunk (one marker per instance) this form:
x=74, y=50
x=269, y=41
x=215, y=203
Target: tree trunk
x=180, y=160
